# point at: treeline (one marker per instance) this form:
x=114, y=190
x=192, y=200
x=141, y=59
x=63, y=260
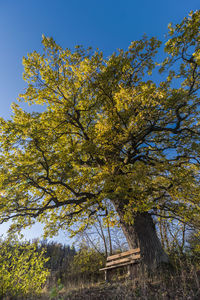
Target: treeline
x=69, y=265
x=59, y=255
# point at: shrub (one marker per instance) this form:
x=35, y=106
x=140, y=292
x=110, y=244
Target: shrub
x=22, y=270
x=86, y=263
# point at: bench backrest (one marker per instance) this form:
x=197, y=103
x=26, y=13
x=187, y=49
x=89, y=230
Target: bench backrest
x=124, y=257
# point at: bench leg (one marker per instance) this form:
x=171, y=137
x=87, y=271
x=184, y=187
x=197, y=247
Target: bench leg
x=132, y=271
x=107, y=278
x=129, y=273
x=106, y=275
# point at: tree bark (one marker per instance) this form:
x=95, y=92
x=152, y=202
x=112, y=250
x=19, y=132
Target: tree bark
x=142, y=234
x=150, y=246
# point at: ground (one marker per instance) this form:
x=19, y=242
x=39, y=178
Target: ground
x=178, y=288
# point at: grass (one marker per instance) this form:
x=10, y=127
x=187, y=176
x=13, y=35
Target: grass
x=183, y=285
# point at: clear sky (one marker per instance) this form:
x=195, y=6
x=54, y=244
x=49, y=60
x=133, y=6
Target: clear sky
x=106, y=24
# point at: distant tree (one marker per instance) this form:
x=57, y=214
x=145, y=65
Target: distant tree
x=173, y=235
x=22, y=269
x=193, y=242
x=108, y=134
x=59, y=258
x=102, y=237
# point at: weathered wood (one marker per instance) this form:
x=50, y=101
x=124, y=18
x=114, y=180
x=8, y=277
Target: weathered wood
x=121, y=265
x=115, y=256
x=106, y=275
x=116, y=262
x=123, y=260
x=127, y=258
x=129, y=270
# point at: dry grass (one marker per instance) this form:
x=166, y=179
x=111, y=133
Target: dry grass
x=160, y=286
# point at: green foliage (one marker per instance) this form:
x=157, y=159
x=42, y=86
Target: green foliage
x=22, y=270
x=87, y=262
x=194, y=245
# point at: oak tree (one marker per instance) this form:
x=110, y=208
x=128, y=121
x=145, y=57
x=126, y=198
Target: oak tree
x=108, y=135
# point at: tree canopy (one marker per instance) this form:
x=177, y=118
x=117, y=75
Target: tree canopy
x=108, y=133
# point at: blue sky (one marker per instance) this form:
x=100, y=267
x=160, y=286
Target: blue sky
x=107, y=25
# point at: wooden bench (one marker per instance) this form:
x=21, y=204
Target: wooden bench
x=122, y=259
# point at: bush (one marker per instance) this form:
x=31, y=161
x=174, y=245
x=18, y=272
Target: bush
x=22, y=270
x=86, y=264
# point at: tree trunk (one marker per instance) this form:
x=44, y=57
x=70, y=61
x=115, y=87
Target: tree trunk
x=142, y=234
x=151, y=249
